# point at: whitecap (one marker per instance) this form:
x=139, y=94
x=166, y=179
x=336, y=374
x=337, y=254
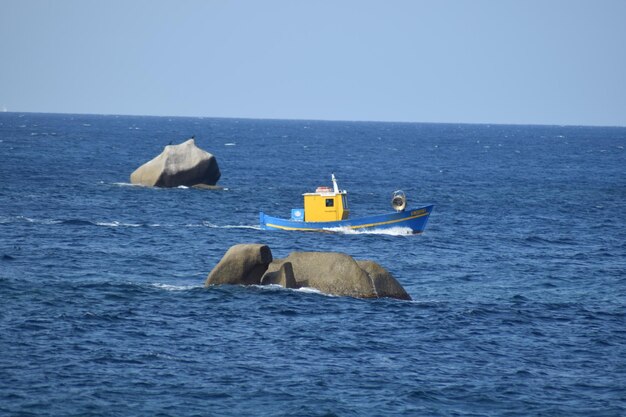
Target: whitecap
x=230, y=144
x=117, y=224
x=38, y=221
x=170, y=287
x=194, y=225
x=125, y=184
x=228, y=226
x=308, y=290
x=240, y=226
x=311, y=290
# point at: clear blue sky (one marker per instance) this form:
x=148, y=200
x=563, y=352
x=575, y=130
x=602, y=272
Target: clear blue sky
x=474, y=61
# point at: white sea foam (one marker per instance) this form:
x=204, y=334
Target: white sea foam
x=38, y=221
x=126, y=184
x=170, y=287
x=393, y=231
x=228, y=226
x=310, y=290
x=118, y=224
x=230, y=144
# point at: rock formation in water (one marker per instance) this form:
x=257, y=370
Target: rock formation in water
x=242, y=264
x=283, y=276
x=329, y=272
x=384, y=283
x=177, y=165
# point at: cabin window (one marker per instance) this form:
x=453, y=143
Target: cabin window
x=330, y=202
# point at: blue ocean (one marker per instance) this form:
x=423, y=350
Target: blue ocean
x=518, y=283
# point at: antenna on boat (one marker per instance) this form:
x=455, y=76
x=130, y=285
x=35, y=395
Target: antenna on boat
x=335, y=186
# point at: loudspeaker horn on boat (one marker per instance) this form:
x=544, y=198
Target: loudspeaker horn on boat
x=398, y=200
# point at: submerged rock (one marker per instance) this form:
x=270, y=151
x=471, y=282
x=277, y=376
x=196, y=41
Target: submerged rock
x=332, y=273
x=177, y=165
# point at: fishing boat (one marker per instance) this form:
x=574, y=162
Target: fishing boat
x=326, y=210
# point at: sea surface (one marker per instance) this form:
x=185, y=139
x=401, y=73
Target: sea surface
x=518, y=283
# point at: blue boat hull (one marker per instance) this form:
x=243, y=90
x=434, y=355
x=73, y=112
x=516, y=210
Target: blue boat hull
x=414, y=219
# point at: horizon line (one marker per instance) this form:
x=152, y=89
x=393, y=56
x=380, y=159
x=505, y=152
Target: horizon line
x=315, y=120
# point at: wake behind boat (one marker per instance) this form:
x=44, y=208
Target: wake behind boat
x=326, y=210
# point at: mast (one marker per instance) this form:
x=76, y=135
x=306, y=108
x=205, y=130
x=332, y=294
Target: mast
x=335, y=186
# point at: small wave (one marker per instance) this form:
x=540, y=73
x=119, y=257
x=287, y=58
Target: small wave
x=78, y=222
x=31, y=220
x=126, y=184
x=118, y=224
x=229, y=226
x=230, y=144
x=308, y=290
x=170, y=287
x=74, y=222
x=183, y=187
x=393, y=231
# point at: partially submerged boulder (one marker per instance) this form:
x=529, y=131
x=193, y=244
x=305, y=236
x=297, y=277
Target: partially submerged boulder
x=283, y=276
x=384, y=283
x=329, y=272
x=177, y=165
x=242, y=264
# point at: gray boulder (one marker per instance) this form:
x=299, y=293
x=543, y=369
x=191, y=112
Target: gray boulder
x=283, y=276
x=242, y=264
x=329, y=272
x=384, y=283
x=177, y=165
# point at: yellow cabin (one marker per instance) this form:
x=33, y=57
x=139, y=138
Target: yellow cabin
x=325, y=204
